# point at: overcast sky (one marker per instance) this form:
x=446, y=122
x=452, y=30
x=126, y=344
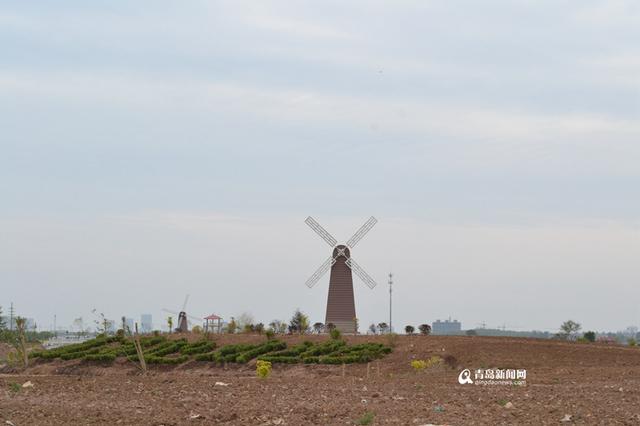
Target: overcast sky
x=154, y=149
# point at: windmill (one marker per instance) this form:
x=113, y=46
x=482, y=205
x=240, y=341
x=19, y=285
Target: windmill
x=341, y=309
x=183, y=322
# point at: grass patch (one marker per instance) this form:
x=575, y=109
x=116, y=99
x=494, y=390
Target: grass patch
x=366, y=419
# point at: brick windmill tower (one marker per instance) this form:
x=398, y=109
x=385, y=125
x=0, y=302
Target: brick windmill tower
x=341, y=307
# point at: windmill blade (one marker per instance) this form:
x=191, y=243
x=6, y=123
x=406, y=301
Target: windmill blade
x=184, y=305
x=326, y=236
x=170, y=312
x=361, y=273
x=195, y=318
x=320, y=272
x=362, y=231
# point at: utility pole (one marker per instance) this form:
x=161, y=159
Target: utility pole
x=390, y=306
x=11, y=317
x=55, y=330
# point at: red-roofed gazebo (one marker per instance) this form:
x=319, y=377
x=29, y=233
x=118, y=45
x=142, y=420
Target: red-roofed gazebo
x=213, y=323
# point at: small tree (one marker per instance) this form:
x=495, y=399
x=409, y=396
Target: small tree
x=330, y=326
x=590, y=336
x=373, y=329
x=409, y=329
x=259, y=328
x=299, y=322
x=425, y=329
x=21, y=342
x=318, y=327
x=383, y=326
x=232, y=326
x=3, y=324
x=471, y=332
x=569, y=329
x=170, y=324
x=248, y=328
x=278, y=326
x=244, y=319
x=335, y=334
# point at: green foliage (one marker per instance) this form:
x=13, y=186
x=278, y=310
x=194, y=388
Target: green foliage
x=632, y=342
x=199, y=347
x=279, y=359
x=236, y=349
x=154, y=359
x=270, y=346
x=425, y=329
x=299, y=322
x=270, y=334
x=232, y=327
x=366, y=419
x=170, y=347
x=335, y=334
x=409, y=329
x=263, y=369
x=590, y=336
x=569, y=329
x=324, y=348
x=15, y=387
x=159, y=350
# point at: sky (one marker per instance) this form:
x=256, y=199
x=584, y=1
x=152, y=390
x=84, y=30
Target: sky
x=154, y=149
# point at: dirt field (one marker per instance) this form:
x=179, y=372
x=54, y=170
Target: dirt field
x=594, y=384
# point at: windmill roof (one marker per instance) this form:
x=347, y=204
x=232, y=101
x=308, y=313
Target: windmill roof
x=213, y=317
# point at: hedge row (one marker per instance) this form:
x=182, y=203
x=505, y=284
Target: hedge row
x=156, y=349
x=198, y=347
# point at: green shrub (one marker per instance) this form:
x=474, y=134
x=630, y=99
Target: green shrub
x=167, y=348
x=590, y=336
x=155, y=359
x=324, y=348
x=273, y=345
x=198, y=348
x=235, y=349
x=263, y=369
x=366, y=419
x=210, y=356
x=79, y=354
x=632, y=342
x=279, y=359
x=343, y=359
x=335, y=334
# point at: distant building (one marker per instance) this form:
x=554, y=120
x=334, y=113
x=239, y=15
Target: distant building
x=446, y=327
x=146, y=323
x=129, y=323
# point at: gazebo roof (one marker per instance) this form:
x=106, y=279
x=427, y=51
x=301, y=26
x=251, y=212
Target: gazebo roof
x=213, y=317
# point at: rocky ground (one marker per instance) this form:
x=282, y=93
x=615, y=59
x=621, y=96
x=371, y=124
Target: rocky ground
x=567, y=383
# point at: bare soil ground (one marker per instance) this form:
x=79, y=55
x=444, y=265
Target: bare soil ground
x=594, y=384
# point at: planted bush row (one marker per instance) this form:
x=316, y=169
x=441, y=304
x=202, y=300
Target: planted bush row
x=156, y=349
